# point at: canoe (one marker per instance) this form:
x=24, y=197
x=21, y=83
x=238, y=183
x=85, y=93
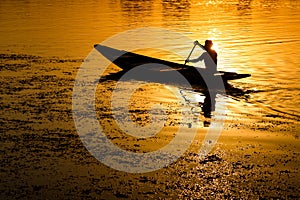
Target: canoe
x=160, y=69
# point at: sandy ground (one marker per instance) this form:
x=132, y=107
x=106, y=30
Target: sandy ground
x=42, y=156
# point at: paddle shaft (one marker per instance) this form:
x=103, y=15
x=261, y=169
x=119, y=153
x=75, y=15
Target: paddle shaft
x=190, y=53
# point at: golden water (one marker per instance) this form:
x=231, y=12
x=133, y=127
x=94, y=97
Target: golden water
x=43, y=44
x=258, y=37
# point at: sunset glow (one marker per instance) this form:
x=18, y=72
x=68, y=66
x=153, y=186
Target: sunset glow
x=114, y=99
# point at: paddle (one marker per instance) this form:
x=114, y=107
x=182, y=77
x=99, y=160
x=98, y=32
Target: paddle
x=195, y=43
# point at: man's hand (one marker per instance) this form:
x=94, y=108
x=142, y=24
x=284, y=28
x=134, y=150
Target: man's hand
x=186, y=61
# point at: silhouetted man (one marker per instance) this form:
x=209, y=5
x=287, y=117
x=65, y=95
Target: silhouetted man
x=209, y=56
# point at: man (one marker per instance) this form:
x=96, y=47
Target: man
x=209, y=56
x=213, y=54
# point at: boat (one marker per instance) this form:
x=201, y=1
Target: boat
x=158, y=69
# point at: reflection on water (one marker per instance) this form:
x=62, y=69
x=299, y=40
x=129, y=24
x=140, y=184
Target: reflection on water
x=205, y=100
x=200, y=100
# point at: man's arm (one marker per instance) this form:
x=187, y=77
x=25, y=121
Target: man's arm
x=195, y=60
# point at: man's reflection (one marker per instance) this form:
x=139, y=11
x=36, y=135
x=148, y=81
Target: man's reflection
x=208, y=106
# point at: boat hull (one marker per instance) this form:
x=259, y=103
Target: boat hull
x=163, y=70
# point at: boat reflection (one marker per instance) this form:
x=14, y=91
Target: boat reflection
x=201, y=100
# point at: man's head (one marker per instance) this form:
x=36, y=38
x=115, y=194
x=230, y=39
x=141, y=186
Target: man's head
x=208, y=43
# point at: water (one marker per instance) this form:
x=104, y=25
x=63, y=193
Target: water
x=257, y=37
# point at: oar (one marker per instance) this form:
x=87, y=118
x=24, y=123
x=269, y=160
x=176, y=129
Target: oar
x=195, y=43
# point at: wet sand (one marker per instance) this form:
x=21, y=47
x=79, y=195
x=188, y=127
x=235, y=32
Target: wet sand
x=42, y=156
